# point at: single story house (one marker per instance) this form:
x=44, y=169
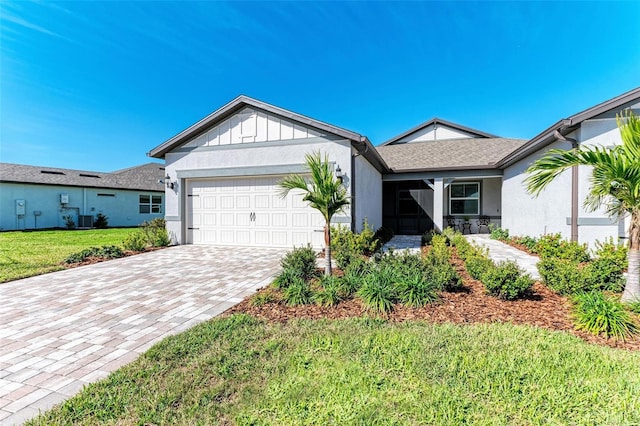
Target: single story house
x=224, y=172
x=33, y=197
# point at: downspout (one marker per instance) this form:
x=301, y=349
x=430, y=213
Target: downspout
x=574, y=186
x=353, y=184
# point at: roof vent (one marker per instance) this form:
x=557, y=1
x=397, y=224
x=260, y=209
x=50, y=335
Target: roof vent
x=91, y=176
x=51, y=172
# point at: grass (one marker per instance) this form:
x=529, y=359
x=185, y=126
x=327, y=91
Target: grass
x=25, y=254
x=238, y=370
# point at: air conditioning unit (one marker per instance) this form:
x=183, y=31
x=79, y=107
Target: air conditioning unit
x=85, y=221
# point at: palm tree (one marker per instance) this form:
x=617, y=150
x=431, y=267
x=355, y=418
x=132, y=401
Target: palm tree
x=324, y=193
x=615, y=183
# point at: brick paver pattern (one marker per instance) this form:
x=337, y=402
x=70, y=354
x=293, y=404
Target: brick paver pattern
x=61, y=331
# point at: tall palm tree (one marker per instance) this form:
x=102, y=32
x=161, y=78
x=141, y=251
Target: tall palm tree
x=615, y=184
x=324, y=193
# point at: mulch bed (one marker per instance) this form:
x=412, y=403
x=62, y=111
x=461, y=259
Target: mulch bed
x=92, y=260
x=543, y=308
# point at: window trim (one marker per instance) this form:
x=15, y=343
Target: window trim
x=150, y=204
x=478, y=198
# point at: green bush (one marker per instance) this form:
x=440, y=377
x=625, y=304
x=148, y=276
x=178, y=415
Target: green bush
x=354, y=276
x=603, y=274
x=155, y=232
x=528, y=242
x=262, y=298
x=614, y=253
x=104, y=252
x=69, y=222
x=428, y=237
x=347, y=246
x=377, y=291
x=302, y=261
x=634, y=307
x=598, y=313
x=298, y=292
x=136, y=241
x=416, y=290
x=497, y=233
x=507, y=281
x=553, y=246
x=286, y=277
x=330, y=293
x=477, y=265
x=561, y=275
x=101, y=222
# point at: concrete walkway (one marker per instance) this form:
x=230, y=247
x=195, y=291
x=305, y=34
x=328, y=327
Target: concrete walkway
x=61, y=331
x=499, y=251
x=410, y=243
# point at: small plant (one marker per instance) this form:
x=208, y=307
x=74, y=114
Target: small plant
x=634, y=307
x=104, y=252
x=478, y=265
x=377, y=292
x=286, y=277
x=415, y=290
x=353, y=277
x=135, y=241
x=554, y=246
x=298, y=293
x=69, y=222
x=507, y=281
x=262, y=298
x=155, y=232
x=528, y=242
x=329, y=294
x=101, y=222
x=348, y=246
x=302, y=261
x=497, y=233
x=383, y=235
x=598, y=313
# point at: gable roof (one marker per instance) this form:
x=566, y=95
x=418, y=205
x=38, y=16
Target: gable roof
x=434, y=122
x=144, y=177
x=467, y=153
x=568, y=125
x=242, y=102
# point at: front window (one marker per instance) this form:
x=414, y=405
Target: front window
x=464, y=198
x=150, y=203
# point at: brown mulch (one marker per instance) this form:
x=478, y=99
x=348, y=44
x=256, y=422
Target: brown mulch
x=543, y=308
x=92, y=260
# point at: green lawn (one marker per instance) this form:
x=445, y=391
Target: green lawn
x=25, y=254
x=239, y=370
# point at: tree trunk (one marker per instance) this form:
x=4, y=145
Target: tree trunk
x=632, y=288
x=327, y=249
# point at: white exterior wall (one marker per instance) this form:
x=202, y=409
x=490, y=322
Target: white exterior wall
x=249, y=159
x=121, y=210
x=368, y=197
x=435, y=133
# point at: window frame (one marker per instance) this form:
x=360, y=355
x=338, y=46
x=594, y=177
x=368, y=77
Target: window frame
x=151, y=205
x=477, y=199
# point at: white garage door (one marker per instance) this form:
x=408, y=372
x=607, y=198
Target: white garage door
x=249, y=212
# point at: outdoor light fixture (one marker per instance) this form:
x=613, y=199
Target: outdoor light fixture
x=167, y=179
x=339, y=174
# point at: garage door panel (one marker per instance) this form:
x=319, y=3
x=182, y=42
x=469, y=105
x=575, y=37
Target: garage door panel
x=249, y=212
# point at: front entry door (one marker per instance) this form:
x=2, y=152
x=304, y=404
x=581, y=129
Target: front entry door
x=408, y=213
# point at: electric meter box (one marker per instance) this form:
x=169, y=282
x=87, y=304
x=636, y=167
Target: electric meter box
x=64, y=198
x=21, y=207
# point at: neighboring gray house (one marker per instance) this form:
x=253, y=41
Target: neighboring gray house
x=33, y=197
x=224, y=172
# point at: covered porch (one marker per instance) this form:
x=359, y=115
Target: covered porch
x=414, y=203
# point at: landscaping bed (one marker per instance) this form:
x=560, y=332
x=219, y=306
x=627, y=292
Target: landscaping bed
x=471, y=304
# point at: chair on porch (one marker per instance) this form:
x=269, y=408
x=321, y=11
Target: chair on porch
x=483, y=222
x=451, y=222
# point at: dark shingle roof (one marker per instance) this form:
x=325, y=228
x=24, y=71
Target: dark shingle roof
x=468, y=153
x=144, y=177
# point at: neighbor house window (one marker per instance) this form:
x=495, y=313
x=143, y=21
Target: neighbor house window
x=464, y=198
x=150, y=203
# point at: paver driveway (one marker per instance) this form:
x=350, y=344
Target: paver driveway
x=63, y=330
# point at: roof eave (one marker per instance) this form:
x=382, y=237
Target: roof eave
x=436, y=120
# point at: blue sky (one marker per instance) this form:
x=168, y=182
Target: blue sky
x=96, y=85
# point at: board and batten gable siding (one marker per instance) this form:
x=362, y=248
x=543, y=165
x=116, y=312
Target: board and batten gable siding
x=435, y=133
x=120, y=206
x=368, y=194
x=260, y=152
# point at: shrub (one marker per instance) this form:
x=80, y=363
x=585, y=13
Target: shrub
x=598, y=313
x=416, y=290
x=155, y=232
x=477, y=265
x=262, y=298
x=286, y=277
x=104, y=252
x=353, y=277
x=377, y=291
x=614, y=253
x=301, y=260
x=101, y=222
x=634, y=307
x=69, y=222
x=506, y=281
x=298, y=293
x=383, y=235
x=561, y=275
x=498, y=233
x=135, y=241
x=329, y=294
x=528, y=242
x=553, y=246
x=603, y=274
x=347, y=246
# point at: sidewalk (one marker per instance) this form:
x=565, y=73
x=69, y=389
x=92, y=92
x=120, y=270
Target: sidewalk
x=499, y=251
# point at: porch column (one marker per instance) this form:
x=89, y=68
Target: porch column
x=438, y=204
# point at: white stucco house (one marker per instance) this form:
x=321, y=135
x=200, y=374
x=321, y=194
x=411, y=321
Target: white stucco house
x=33, y=197
x=224, y=171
